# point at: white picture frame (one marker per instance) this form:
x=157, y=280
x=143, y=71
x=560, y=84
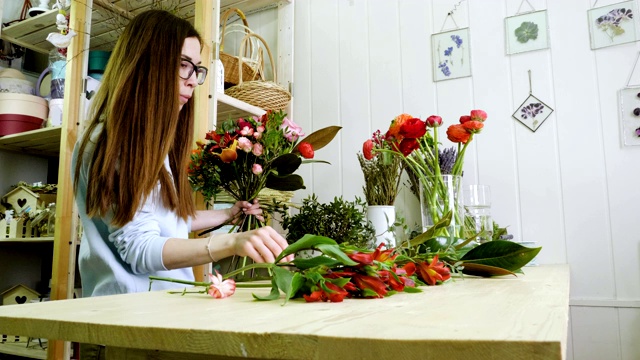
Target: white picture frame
x=629, y=121
x=532, y=113
x=613, y=24
x=451, y=54
x=526, y=32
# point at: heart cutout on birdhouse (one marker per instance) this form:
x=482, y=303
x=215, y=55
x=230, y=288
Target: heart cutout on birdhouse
x=21, y=299
x=22, y=202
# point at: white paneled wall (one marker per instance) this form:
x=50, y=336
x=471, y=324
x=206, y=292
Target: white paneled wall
x=571, y=186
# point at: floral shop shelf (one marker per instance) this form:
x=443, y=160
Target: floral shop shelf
x=456, y=321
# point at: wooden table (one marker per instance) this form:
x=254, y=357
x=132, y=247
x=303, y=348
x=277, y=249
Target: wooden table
x=522, y=317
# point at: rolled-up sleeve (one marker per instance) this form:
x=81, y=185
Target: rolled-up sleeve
x=139, y=243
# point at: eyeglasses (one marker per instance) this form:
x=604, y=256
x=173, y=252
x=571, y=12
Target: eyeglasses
x=187, y=68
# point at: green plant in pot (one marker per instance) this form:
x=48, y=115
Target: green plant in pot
x=341, y=220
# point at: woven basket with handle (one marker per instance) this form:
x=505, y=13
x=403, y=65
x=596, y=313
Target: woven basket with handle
x=252, y=61
x=264, y=94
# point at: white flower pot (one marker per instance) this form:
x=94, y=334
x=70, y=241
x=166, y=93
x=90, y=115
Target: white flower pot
x=382, y=218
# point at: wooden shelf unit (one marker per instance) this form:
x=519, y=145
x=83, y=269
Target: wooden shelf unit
x=41, y=142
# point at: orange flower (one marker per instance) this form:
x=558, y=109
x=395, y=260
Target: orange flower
x=229, y=154
x=396, y=124
x=473, y=126
x=458, y=134
x=433, y=273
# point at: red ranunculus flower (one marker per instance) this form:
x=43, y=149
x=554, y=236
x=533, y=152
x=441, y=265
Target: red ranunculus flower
x=473, y=126
x=458, y=134
x=413, y=128
x=407, y=146
x=366, y=150
x=478, y=115
x=464, y=119
x=394, y=130
x=434, y=121
x=434, y=272
x=306, y=150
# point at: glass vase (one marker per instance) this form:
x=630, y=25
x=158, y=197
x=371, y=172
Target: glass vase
x=439, y=196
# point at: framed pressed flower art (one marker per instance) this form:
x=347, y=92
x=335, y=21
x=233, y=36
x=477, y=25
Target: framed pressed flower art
x=526, y=32
x=532, y=113
x=630, y=115
x=613, y=24
x=451, y=54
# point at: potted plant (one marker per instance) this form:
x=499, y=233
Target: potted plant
x=341, y=220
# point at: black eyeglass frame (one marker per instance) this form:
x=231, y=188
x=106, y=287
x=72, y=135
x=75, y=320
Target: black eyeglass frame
x=194, y=68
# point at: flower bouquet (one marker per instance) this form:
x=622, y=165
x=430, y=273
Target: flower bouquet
x=381, y=173
x=438, y=182
x=245, y=156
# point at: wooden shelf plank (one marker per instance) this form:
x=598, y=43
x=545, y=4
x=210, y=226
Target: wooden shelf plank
x=42, y=142
x=29, y=240
x=232, y=108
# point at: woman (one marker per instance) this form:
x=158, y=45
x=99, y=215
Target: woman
x=130, y=182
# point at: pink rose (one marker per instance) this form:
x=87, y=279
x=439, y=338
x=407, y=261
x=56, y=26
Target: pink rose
x=292, y=131
x=256, y=169
x=257, y=149
x=220, y=289
x=244, y=144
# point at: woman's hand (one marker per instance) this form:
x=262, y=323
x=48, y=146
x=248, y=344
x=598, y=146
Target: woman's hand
x=261, y=245
x=247, y=208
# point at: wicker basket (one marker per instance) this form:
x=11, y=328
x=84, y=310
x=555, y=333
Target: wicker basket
x=252, y=61
x=264, y=94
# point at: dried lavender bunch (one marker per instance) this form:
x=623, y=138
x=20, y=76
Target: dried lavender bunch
x=381, y=178
x=446, y=160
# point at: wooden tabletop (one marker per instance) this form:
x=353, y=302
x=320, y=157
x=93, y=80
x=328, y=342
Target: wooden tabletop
x=524, y=317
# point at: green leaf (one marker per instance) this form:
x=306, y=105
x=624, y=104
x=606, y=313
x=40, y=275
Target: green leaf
x=409, y=289
x=429, y=234
x=296, y=284
x=501, y=253
x=484, y=270
x=308, y=241
x=291, y=182
x=304, y=264
x=335, y=252
x=286, y=164
x=320, y=138
x=274, y=295
x=284, y=281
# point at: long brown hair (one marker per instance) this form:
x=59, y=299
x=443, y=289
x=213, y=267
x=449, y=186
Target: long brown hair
x=138, y=103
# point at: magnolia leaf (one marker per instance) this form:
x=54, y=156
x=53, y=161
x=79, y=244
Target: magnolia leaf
x=304, y=264
x=308, y=241
x=320, y=138
x=291, y=182
x=335, y=252
x=484, y=270
x=501, y=253
x=286, y=164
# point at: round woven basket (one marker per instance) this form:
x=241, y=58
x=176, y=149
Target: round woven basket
x=251, y=65
x=264, y=94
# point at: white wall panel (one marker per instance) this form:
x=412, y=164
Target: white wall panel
x=571, y=186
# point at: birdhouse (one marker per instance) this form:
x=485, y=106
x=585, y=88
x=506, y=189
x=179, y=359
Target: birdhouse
x=18, y=294
x=22, y=199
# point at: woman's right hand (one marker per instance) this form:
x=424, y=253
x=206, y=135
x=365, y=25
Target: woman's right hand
x=261, y=245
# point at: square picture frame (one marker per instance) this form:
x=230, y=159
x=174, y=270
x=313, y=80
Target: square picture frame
x=451, y=54
x=532, y=113
x=526, y=32
x=613, y=24
x=629, y=105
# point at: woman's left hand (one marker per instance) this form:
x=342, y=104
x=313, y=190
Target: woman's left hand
x=247, y=208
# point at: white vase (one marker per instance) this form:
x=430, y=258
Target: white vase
x=382, y=218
